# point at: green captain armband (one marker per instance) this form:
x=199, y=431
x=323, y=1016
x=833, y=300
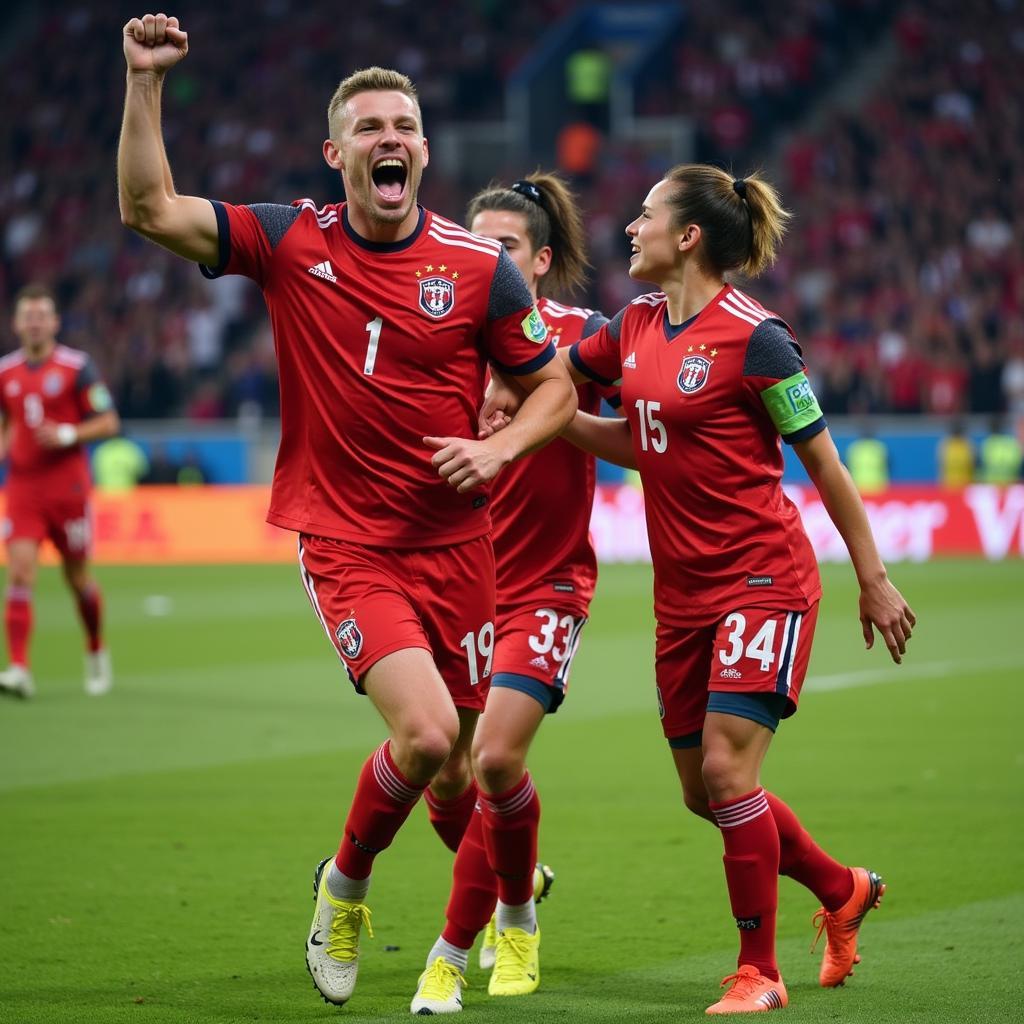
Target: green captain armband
x=791, y=404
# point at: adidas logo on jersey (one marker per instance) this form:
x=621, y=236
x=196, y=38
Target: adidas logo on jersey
x=540, y=662
x=325, y=271
x=630, y=363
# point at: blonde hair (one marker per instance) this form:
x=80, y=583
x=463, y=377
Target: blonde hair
x=742, y=220
x=373, y=79
x=552, y=218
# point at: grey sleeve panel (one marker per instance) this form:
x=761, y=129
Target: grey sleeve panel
x=772, y=352
x=615, y=324
x=509, y=291
x=275, y=220
x=87, y=375
x=593, y=324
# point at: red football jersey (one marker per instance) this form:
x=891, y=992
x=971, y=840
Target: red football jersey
x=540, y=504
x=63, y=388
x=707, y=402
x=378, y=346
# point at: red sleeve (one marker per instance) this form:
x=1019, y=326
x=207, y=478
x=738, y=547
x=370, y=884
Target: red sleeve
x=243, y=244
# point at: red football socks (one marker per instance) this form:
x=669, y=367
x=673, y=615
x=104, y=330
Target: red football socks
x=751, y=872
x=510, y=823
x=805, y=862
x=450, y=818
x=90, y=608
x=384, y=798
x=474, y=889
x=18, y=622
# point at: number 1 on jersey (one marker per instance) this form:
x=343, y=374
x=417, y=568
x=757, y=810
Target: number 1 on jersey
x=373, y=327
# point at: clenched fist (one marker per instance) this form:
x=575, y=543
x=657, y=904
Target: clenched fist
x=154, y=43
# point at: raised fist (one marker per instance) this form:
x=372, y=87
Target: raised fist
x=154, y=43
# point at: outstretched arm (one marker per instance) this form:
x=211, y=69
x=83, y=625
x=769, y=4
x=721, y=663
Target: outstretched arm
x=149, y=205
x=882, y=606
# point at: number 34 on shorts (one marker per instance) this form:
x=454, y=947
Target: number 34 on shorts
x=760, y=650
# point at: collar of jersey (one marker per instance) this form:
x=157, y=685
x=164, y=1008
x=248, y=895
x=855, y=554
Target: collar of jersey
x=672, y=331
x=365, y=243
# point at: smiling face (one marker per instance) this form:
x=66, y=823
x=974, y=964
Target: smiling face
x=659, y=247
x=509, y=228
x=381, y=152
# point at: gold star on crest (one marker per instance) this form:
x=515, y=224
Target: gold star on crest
x=455, y=275
x=418, y=274
x=690, y=349
x=442, y=268
x=714, y=352
x=703, y=348
x=430, y=267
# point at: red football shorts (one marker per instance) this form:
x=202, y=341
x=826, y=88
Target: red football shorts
x=65, y=521
x=752, y=650
x=539, y=643
x=375, y=601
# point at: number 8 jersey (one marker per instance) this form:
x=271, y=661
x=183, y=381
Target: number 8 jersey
x=379, y=345
x=707, y=402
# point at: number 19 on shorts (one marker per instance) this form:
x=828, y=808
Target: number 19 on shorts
x=479, y=648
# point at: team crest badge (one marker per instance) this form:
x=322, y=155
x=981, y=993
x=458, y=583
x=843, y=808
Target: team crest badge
x=350, y=640
x=52, y=384
x=693, y=374
x=437, y=296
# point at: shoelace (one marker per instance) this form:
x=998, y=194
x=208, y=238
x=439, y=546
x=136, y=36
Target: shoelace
x=513, y=953
x=745, y=985
x=821, y=920
x=439, y=980
x=342, y=943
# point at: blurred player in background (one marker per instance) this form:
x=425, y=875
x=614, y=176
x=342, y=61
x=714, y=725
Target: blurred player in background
x=52, y=402
x=710, y=381
x=546, y=573
x=384, y=318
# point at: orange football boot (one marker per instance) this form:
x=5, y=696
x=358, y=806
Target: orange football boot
x=751, y=992
x=841, y=928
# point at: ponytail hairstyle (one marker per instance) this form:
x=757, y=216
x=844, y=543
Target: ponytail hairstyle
x=742, y=220
x=552, y=218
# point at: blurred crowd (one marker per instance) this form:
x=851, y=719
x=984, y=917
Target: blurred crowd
x=903, y=273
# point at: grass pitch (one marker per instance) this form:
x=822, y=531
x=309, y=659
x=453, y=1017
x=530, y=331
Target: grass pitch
x=158, y=844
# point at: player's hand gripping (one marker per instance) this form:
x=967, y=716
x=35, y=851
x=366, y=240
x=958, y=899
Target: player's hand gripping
x=501, y=402
x=463, y=463
x=154, y=43
x=882, y=607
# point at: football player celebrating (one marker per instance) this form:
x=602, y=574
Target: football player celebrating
x=52, y=402
x=546, y=572
x=710, y=381
x=384, y=317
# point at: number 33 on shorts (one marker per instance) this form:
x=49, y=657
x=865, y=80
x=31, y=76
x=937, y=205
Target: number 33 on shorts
x=763, y=650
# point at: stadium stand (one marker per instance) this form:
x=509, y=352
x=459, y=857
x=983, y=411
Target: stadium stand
x=903, y=274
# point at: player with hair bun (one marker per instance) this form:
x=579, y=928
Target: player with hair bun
x=710, y=381
x=546, y=573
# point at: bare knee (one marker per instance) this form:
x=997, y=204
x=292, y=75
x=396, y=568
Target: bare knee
x=497, y=766
x=697, y=803
x=724, y=774
x=423, y=749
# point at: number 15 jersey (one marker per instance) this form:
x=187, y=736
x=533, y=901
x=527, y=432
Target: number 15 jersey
x=379, y=345
x=707, y=402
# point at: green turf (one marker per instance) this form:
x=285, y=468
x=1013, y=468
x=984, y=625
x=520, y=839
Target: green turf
x=157, y=845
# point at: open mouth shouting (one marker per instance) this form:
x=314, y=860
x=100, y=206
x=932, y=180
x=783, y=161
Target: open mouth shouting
x=389, y=176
